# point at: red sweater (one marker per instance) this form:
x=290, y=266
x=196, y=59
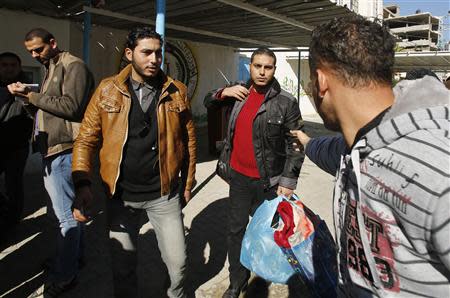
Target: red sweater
x=243, y=154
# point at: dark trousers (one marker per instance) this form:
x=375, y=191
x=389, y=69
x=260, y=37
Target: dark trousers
x=13, y=165
x=246, y=194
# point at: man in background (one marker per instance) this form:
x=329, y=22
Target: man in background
x=15, y=132
x=60, y=106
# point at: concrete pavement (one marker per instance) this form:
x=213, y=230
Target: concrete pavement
x=205, y=218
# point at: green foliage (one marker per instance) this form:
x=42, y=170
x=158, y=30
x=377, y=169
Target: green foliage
x=289, y=85
x=398, y=48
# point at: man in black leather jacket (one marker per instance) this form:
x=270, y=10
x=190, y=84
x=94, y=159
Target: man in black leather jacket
x=263, y=162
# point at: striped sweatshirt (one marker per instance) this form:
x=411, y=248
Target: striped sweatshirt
x=392, y=198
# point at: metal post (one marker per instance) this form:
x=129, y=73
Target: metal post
x=86, y=34
x=160, y=23
x=298, y=77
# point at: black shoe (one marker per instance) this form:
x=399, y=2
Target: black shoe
x=55, y=289
x=234, y=292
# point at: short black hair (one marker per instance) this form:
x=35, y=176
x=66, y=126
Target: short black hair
x=264, y=51
x=11, y=55
x=41, y=33
x=357, y=50
x=419, y=73
x=139, y=33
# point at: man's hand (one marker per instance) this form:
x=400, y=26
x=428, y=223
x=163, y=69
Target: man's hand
x=19, y=89
x=302, y=137
x=239, y=92
x=82, y=204
x=287, y=192
x=187, y=195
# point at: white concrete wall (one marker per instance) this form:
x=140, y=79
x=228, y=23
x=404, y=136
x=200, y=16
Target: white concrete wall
x=209, y=58
x=106, y=51
x=370, y=9
x=106, y=48
x=16, y=24
x=287, y=74
x=69, y=35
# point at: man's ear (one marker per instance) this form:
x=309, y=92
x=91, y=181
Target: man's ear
x=53, y=44
x=322, y=81
x=129, y=54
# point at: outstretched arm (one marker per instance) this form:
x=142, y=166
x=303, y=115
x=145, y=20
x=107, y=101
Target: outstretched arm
x=324, y=151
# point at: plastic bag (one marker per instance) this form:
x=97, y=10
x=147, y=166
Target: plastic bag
x=305, y=252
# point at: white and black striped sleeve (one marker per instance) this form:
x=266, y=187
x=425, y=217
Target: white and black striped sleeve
x=440, y=228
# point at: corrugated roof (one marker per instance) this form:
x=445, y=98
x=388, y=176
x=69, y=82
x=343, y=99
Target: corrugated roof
x=285, y=23
x=436, y=61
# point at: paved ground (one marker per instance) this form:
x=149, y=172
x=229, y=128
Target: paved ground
x=205, y=218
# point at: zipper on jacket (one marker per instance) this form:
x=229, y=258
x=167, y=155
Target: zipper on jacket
x=126, y=135
x=266, y=99
x=36, y=114
x=123, y=145
x=159, y=140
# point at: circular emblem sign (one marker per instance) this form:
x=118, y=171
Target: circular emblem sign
x=179, y=63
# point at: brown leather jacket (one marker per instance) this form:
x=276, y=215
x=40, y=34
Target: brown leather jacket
x=105, y=125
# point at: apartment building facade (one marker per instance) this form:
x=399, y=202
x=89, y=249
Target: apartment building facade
x=418, y=32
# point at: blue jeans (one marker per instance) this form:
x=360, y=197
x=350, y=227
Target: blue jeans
x=58, y=183
x=165, y=216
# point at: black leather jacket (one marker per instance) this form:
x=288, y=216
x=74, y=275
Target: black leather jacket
x=278, y=162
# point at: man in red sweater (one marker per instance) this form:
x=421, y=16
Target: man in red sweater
x=263, y=162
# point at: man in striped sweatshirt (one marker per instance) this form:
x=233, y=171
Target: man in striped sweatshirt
x=392, y=163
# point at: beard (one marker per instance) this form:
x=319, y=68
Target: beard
x=141, y=71
x=329, y=123
x=43, y=61
x=327, y=116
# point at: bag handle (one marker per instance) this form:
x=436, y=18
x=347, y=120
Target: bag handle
x=291, y=258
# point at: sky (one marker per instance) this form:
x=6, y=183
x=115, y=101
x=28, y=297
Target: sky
x=437, y=8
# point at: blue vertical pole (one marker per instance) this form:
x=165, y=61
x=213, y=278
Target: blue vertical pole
x=86, y=34
x=161, y=23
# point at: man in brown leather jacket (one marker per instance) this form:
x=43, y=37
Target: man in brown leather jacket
x=142, y=121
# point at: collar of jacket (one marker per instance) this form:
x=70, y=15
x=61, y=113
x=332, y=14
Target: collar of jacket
x=120, y=81
x=273, y=90
x=55, y=60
